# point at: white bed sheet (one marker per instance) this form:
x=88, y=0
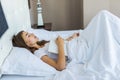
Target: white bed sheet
x=14, y=77
x=103, y=59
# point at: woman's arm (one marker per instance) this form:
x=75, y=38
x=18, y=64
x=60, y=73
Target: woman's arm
x=60, y=64
x=73, y=36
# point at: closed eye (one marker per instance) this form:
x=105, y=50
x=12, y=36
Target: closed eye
x=27, y=35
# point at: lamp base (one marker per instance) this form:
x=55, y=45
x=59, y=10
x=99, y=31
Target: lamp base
x=40, y=20
x=42, y=26
x=47, y=26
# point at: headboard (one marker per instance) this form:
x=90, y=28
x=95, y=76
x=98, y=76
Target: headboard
x=18, y=18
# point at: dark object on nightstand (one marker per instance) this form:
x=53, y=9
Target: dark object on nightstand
x=47, y=26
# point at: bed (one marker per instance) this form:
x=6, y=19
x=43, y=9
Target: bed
x=99, y=43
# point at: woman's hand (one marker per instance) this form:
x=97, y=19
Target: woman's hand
x=73, y=36
x=59, y=41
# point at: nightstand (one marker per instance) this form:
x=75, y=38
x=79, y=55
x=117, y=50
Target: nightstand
x=47, y=26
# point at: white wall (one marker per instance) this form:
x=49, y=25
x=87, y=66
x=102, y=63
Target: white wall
x=115, y=7
x=92, y=7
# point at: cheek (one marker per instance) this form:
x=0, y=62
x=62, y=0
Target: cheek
x=32, y=41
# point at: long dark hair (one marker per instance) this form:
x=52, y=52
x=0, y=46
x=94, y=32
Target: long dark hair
x=18, y=41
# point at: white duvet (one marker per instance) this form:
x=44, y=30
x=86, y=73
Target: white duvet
x=98, y=47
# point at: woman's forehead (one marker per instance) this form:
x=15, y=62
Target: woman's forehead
x=24, y=35
x=24, y=32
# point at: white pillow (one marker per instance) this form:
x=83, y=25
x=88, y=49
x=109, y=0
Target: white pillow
x=43, y=34
x=23, y=62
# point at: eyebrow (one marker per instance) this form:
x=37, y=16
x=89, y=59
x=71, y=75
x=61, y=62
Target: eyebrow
x=26, y=34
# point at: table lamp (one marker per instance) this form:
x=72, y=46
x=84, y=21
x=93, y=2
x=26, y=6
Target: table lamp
x=39, y=14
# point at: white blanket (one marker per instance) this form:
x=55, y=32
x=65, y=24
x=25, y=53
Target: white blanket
x=100, y=51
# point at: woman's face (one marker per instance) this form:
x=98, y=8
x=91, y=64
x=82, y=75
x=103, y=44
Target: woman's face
x=29, y=38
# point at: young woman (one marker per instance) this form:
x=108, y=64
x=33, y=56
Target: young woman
x=40, y=48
